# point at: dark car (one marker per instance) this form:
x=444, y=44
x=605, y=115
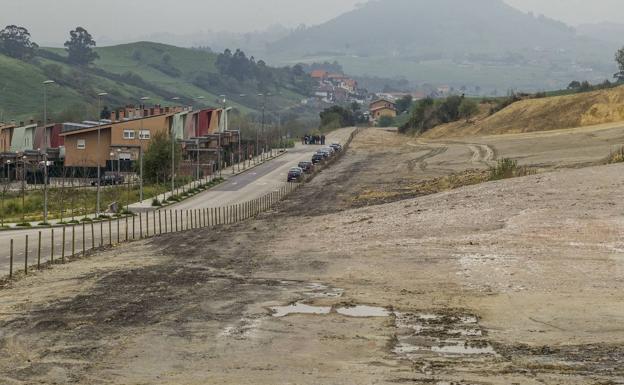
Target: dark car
x=109, y=180
x=318, y=158
x=295, y=174
x=307, y=167
x=336, y=146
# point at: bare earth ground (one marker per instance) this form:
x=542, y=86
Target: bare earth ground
x=512, y=282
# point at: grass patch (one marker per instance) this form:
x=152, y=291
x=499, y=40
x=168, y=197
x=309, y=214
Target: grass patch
x=508, y=168
x=616, y=156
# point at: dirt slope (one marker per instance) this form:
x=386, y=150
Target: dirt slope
x=579, y=110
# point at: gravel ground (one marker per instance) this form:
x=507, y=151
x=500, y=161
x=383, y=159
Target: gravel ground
x=512, y=282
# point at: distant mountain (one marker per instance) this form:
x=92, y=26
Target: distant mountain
x=612, y=33
x=429, y=27
x=484, y=43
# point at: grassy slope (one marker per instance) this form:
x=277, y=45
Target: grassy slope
x=551, y=113
x=21, y=92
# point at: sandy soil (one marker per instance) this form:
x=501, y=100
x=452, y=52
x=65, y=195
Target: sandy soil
x=551, y=113
x=512, y=282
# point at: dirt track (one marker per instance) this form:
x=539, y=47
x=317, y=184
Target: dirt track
x=519, y=281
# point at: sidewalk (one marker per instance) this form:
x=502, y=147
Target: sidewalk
x=146, y=205
x=226, y=173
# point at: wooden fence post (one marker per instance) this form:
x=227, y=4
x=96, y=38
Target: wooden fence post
x=11, y=261
x=26, y=256
x=52, y=246
x=39, y=252
x=63, y=247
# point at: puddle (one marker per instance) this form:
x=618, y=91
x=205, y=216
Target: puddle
x=448, y=335
x=463, y=349
x=299, y=308
x=318, y=290
x=363, y=311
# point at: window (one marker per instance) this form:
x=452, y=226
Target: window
x=128, y=134
x=81, y=144
x=145, y=135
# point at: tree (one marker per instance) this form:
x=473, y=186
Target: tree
x=468, y=108
x=335, y=117
x=404, y=104
x=385, y=121
x=15, y=42
x=574, y=85
x=80, y=47
x=157, y=158
x=619, y=58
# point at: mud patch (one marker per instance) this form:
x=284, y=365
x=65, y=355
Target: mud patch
x=443, y=334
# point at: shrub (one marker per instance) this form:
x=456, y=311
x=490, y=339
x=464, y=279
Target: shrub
x=24, y=224
x=508, y=168
x=616, y=156
x=156, y=203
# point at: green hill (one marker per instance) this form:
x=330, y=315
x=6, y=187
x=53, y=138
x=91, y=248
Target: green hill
x=131, y=71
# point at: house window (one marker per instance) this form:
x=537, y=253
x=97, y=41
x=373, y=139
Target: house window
x=81, y=144
x=145, y=135
x=128, y=134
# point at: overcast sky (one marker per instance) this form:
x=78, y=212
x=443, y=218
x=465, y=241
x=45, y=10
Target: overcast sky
x=49, y=21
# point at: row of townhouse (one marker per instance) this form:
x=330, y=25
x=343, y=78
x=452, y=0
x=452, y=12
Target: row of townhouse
x=119, y=141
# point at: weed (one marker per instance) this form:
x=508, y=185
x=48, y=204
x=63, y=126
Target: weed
x=616, y=156
x=508, y=168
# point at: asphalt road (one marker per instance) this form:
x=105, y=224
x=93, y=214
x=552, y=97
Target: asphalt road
x=245, y=187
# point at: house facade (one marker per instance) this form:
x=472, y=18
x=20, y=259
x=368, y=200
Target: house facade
x=380, y=108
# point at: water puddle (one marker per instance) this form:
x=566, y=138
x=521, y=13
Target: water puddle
x=299, y=308
x=445, y=334
x=363, y=311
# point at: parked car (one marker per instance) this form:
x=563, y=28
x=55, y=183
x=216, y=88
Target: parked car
x=307, y=167
x=327, y=152
x=336, y=146
x=295, y=174
x=109, y=180
x=318, y=158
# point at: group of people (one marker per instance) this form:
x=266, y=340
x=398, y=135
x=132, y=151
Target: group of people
x=313, y=139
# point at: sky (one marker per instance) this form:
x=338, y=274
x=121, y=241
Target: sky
x=50, y=21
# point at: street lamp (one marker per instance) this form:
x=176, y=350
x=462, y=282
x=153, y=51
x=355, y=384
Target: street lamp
x=141, y=156
x=264, y=96
x=24, y=188
x=173, y=154
x=45, y=184
x=100, y=95
x=45, y=124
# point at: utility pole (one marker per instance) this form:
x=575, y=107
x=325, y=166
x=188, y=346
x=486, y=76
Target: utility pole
x=173, y=139
x=45, y=128
x=141, y=153
x=99, y=151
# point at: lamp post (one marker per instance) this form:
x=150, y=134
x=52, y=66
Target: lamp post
x=264, y=96
x=197, y=142
x=24, y=188
x=98, y=198
x=45, y=184
x=141, y=156
x=45, y=125
x=173, y=139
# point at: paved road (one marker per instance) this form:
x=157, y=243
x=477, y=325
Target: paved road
x=257, y=182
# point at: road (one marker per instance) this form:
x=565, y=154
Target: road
x=245, y=187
